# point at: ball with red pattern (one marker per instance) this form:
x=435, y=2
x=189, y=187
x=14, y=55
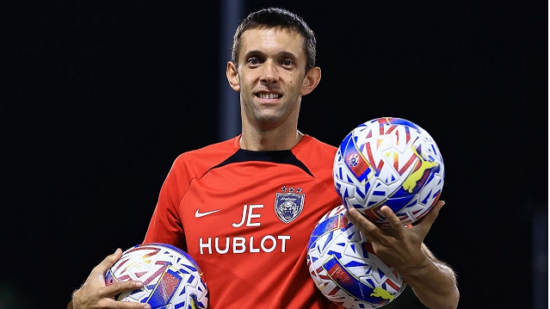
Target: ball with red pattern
x=344, y=267
x=389, y=161
x=172, y=279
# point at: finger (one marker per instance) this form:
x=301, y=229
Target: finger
x=356, y=217
x=119, y=287
x=109, y=261
x=430, y=217
x=394, y=221
x=362, y=223
x=110, y=303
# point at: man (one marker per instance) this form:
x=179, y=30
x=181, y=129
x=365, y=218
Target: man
x=244, y=208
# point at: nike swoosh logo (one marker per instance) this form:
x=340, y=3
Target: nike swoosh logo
x=202, y=214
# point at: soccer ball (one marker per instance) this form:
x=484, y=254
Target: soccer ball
x=389, y=161
x=172, y=279
x=344, y=268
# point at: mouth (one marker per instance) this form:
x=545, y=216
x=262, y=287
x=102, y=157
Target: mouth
x=268, y=95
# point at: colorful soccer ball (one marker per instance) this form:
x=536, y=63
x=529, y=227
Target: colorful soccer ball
x=344, y=268
x=389, y=161
x=172, y=279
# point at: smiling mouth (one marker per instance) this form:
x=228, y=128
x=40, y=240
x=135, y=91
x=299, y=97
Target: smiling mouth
x=268, y=95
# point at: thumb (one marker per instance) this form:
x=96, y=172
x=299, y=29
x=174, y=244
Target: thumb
x=430, y=217
x=107, y=263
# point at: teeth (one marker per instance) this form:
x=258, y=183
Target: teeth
x=268, y=95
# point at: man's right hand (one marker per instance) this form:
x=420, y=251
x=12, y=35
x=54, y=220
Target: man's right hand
x=94, y=294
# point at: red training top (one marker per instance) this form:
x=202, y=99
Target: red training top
x=246, y=218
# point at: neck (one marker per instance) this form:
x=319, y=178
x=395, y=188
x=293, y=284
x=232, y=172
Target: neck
x=258, y=141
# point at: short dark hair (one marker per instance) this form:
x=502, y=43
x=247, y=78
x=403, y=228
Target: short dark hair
x=277, y=17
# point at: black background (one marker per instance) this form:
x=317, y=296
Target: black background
x=99, y=97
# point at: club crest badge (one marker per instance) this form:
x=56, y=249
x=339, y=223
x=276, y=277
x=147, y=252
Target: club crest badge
x=289, y=204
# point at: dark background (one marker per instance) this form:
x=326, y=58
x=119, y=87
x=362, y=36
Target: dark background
x=99, y=97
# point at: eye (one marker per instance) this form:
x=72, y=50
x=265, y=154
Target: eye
x=287, y=62
x=253, y=61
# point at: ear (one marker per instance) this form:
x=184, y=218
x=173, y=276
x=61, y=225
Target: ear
x=311, y=80
x=232, y=76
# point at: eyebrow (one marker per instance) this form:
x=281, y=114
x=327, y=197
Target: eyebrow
x=280, y=54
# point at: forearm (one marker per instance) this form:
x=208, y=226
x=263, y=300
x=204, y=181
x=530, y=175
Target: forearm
x=434, y=283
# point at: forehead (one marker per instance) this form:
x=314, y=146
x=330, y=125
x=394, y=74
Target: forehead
x=272, y=41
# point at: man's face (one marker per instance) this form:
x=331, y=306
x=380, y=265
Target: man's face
x=271, y=72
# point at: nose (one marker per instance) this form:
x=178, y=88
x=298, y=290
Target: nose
x=269, y=73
